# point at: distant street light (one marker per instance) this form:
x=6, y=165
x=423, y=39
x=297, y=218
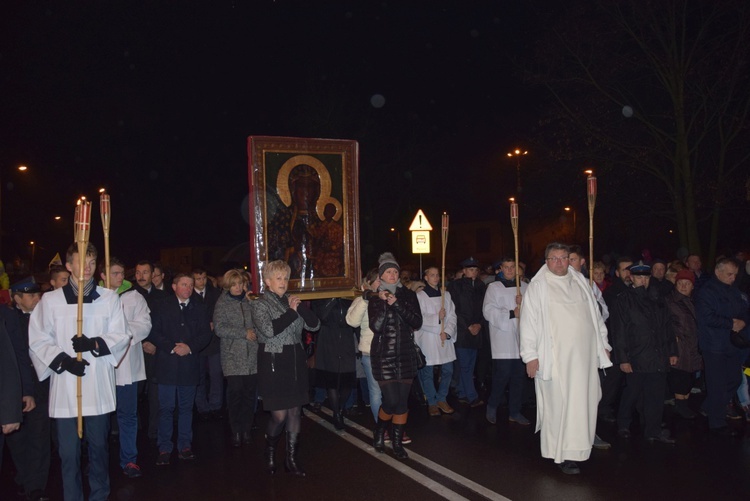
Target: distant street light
x=517, y=153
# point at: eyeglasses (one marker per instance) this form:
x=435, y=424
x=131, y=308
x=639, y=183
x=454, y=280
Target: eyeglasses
x=557, y=259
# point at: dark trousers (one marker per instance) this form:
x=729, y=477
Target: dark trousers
x=96, y=431
x=611, y=380
x=647, y=388
x=510, y=373
x=723, y=377
x=30, y=447
x=127, y=422
x=241, y=394
x=182, y=398
x=210, y=393
x=151, y=388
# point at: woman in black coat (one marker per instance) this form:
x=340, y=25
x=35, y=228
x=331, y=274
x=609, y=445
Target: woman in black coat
x=394, y=315
x=682, y=316
x=335, y=354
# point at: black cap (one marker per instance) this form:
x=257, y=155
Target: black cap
x=26, y=285
x=469, y=263
x=639, y=268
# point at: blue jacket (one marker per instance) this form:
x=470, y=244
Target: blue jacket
x=716, y=304
x=170, y=325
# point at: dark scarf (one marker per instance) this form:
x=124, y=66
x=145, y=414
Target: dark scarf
x=431, y=292
x=89, y=292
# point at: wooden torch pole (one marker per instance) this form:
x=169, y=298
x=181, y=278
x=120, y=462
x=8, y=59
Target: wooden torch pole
x=106, y=210
x=514, y=224
x=591, y=191
x=83, y=229
x=444, y=228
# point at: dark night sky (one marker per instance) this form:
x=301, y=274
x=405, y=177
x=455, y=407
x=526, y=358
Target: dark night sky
x=155, y=100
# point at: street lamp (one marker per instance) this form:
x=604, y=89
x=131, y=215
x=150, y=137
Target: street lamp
x=398, y=239
x=517, y=153
x=21, y=168
x=33, y=254
x=569, y=209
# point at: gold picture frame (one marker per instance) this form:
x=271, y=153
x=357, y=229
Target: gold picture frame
x=304, y=209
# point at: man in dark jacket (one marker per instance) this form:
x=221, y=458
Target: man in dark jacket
x=180, y=330
x=144, y=271
x=719, y=309
x=468, y=296
x=611, y=379
x=645, y=348
x=30, y=446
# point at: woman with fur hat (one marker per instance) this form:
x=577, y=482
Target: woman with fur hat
x=394, y=315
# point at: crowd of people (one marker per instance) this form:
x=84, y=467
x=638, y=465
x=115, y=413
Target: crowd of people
x=610, y=348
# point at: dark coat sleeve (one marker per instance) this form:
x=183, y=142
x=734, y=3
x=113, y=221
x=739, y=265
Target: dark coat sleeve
x=10, y=382
x=21, y=348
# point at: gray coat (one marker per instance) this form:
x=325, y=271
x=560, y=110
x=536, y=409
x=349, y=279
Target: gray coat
x=232, y=319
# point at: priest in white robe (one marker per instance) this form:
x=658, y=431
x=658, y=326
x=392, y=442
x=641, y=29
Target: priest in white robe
x=563, y=342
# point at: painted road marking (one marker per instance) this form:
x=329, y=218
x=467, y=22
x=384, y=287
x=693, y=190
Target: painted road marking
x=406, y=470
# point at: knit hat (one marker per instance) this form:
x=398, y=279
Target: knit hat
x=685, y=275
x=385, y=261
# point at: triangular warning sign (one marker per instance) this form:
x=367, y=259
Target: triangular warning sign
x=420, y=222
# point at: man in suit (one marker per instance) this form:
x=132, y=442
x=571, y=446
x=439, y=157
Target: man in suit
x=181, y=329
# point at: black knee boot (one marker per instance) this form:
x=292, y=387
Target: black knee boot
x=378, y=436
x=270, y=453
x=291, y=454
x=396, y=441
x=338, y=420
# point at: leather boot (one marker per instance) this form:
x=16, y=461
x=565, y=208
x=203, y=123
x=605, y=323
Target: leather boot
x=270, y=453
x=291, y=454
x=397, y=436
x=378, y=436
x=338, y=420
x=236, y=439
x=247, y=439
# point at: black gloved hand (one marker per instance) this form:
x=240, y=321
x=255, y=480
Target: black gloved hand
x=73, y=366
x=83, y=344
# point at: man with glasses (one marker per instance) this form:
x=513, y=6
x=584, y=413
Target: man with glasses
x=563, y=342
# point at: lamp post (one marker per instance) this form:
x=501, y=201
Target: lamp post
x=575, y=232
x=20, y=168
x=398, y=240
x=517, y=153
x=33, y=255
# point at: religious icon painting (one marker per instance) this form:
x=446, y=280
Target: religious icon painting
x=304, y=210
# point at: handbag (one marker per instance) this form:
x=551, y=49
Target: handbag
x=421, y=360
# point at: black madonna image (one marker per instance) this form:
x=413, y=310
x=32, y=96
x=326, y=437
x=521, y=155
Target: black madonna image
x=304, y=210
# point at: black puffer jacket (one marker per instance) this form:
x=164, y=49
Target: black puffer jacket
x=643, y=332
x=392, y=351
